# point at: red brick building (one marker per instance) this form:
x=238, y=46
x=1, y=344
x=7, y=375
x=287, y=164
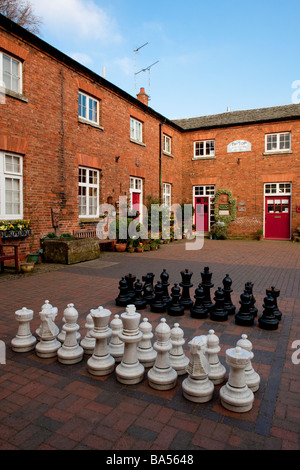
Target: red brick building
x=70, y=140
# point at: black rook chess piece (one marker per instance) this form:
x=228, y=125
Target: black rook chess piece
x=130, y=278
x=218, y=312
x=244, y=316
x=158, y=305
x=186, y=284
x=123, y=298
x=138, y=300
x=198, y=310
x=174, y=307
x=249, y=289
x=275, y=293
x=207, y=286
x=228, y=305
x=165, y=283
x=268, y=321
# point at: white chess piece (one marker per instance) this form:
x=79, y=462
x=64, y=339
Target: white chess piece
x=178, y=359
x=101, y=362
x=252, y=377
x=115, y=345
x=162, y=376
x=217, y=370
x=52, y=311
x=145, y=351
x=24, y=340
x=88, y=342
x=48, y=344
x=70, y=352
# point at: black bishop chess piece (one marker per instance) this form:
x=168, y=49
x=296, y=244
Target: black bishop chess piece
x=249, y=289
x=275, y=293
x=138, y=299
x=186, y=284
x=123, y=298
x=130, y=279
x=198, y=310
x=158, y=305
x=206, y=276
x=228, y=305
x=268, y=321
x=218, y=312
x=148, y=288
x=244, y=316
x=165, y=283
x=174, y=307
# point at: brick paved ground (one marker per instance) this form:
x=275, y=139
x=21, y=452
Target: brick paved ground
x=47, y=405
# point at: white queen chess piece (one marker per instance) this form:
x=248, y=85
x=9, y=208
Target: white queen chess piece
x=101, y=362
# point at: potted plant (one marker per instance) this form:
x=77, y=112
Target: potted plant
x=153, y=246
x=130, y=246
x=259, y=234
x=15, y=229
x=140, y=248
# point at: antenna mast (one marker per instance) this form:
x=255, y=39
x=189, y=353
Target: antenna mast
x=145, y=70
x=135, y=52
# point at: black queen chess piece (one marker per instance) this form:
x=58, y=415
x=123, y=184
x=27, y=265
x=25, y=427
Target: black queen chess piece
x=198, y=310
x=174, y=307
x=268, y=321
x=207, y=285
x=123, y=298
x=275, y=293
x=218, y=312
x=130, y=279
x=138, y=299
x=245, y=317
x=165, y=283
x=249, y=288
x=228, y=305
x=158, y=305
x=186, y=284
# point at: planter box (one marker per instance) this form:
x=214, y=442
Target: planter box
x=70, y=251
x=9, y=234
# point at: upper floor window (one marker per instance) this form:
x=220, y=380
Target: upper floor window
x=10, y=73
x=278, y=142
x=136, y=130
x=11, y=186
x=88, y=192
x=88, y=108
x=167, y=144
x=204, y=148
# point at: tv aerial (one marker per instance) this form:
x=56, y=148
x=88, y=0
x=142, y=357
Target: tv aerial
x=145, y=70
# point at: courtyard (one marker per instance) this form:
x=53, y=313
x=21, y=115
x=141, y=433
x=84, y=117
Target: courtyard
x=46, y=405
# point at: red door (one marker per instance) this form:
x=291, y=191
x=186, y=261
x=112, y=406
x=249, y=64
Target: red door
x=201, y=214
x=277, y=221
x=136, y=202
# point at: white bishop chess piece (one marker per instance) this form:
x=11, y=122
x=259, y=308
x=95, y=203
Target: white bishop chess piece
x=178, y=359
x=115, y=345
x=217, y=370
x=70, y=352
x=24, y=341
x=146, y=352
x=101, y=362
x=252, y=377
x=88, y=342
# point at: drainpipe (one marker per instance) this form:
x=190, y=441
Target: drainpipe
x=160, y=155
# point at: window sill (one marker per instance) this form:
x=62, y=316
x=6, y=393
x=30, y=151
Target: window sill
x=168, y=154
x=17, y=96
x=203, y=158
x=138, y=142
x=278, y=152
x=92, y=124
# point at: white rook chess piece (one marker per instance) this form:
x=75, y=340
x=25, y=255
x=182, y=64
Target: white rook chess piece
x=24, y=340
x=130, y=370
x=178, y=359
x=101, y=362
x=48, y=331
x=252, y=377
x=162, y=376
x=88, y=342
x=70, y=352
x=115, y=345
x=197, y=387
x=217, y=370
x=235, y=395
x=145, y=351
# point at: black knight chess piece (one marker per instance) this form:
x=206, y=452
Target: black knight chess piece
x=138, y=299
x=244, y=316
x=207, y=286
x=165, y=283
x=174, y=307
x=198, y=310
x=123, y=298
x=218, y=312
x=249, y=289
x=275, y=293
x=228, y=305
x=268, y=321
x=158, y=305
x=186, y=284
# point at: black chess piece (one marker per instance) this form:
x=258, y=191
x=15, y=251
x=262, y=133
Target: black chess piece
x=275, y=293
x=174, y=307
x=249, y=289
x=138, y=299
x=158, y=305
x=198, y=310
x=148, y=287
x=268, y=321
x=244, y=316
x=207, y=286
x=186, y=284
x=130, y=279
x=165, y=283
x=123, y=298
x=218, y=312
x=228, y=305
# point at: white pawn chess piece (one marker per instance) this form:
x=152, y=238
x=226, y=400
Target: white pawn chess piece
x=162, y=376
x=70, y=352
x=197, y=387
x=130, y=370
x=51, y=311
x=252, y=377
x=24, y=340
x=178, y=359
x=146, y=352
x=101, y=362
x=88, y=342
x=235, y=395
x=48, y=331
x=217, y=370
x=115, y=345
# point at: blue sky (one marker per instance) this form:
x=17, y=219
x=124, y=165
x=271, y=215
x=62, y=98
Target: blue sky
x=211, y=55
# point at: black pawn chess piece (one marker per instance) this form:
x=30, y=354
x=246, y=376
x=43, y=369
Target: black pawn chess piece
x=218, y=312
x=138, y=299
x=123, y=298
x=130, y=279
x=207, y=286
x=249, y=289
x=174, y=307
x=275, y=293
x=244, y=316
x=164, y=281
x=186, y=284
x=198, y=310
x=228, y=305
x=268, y=321
x=148, y=288
x=158, y=305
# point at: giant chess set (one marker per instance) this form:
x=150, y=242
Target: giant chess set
x=125, y=344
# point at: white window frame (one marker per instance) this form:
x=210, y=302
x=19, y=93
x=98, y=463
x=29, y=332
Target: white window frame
x=86, y=115
x=207, y=151
x=278, y=189
x=88, y=185
x=136, y=130
x=167, y=195
x=167, y=144
x=10, y=174
x=276, y=136
x=19, y=77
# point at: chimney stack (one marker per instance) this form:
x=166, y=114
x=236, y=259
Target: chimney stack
x=143, y=97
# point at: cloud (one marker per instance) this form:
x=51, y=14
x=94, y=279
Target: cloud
x=82, y=58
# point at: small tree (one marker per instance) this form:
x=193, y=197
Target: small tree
x=21, y=12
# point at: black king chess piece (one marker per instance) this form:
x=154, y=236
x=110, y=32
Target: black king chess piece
x=268, y=321
x=174, y=307
x=275, y=293
x=228, y=305
x=244, y=316
x=218, y=312
x=207, y=286
x=186, y=284
x=158, y=305
x=123, y=298
x=198, y=310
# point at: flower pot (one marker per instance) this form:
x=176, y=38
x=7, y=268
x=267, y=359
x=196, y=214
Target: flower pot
x=139, y=249
x=131, y=249
x=27, y=267
x=32, y=258
x=121, y=247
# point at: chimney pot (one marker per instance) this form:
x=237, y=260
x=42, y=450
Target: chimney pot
x=143, y=97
